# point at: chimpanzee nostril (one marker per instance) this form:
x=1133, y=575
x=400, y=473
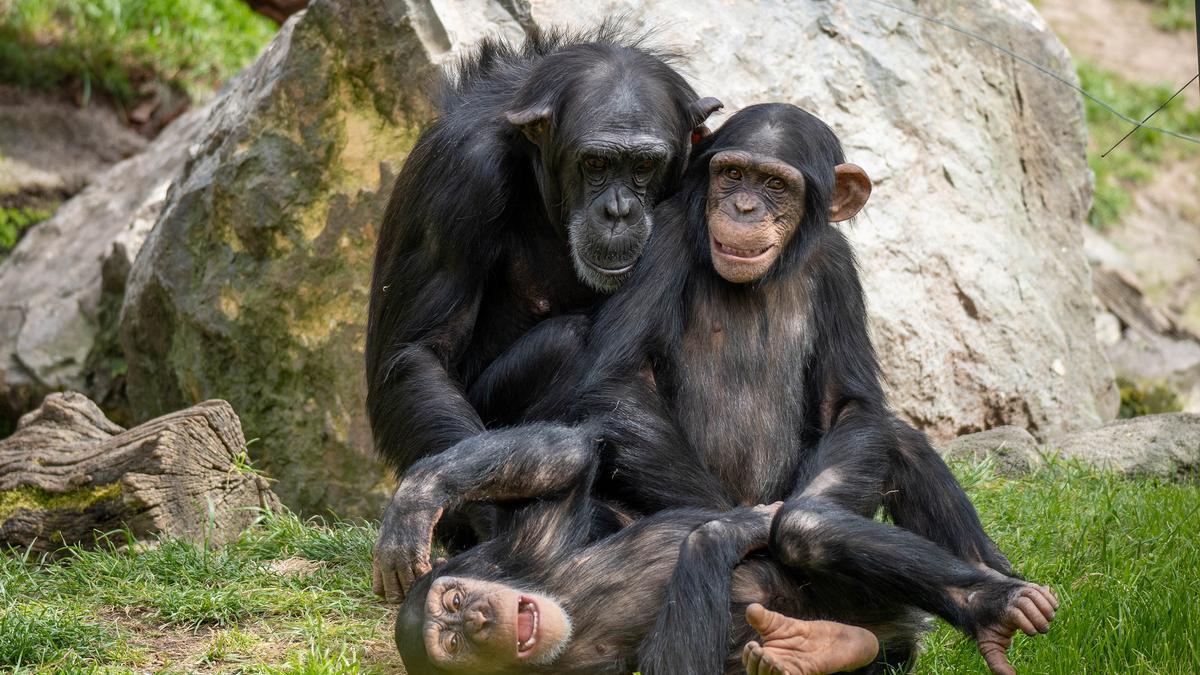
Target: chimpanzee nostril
x=618, y=205
x=745, y=203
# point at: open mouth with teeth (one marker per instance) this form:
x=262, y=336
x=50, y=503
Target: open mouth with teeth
x=740, y=254
x=527, y=625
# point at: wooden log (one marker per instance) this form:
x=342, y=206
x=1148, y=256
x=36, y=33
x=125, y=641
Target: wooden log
x=68, y=474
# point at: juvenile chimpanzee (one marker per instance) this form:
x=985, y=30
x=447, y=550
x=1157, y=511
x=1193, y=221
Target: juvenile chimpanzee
x=757, y=370
x=528, y=195
x=749, y=377
x=667, y=593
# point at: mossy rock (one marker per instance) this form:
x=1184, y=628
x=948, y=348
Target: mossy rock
x=253, y=286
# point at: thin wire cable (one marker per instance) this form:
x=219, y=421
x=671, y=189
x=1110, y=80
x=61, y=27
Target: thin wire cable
x=1038, y=66
x=1156, y=111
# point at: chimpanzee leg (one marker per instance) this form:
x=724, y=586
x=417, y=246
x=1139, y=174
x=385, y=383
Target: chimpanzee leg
x=925, y=498
x=833, y=546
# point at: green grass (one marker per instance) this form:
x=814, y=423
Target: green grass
x=1123, y=556
x=1133, y=162
x=1174, y=15
x=115, y=46
x=13, y=223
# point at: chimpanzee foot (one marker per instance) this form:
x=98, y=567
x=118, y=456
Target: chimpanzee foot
x=1030, y=610
x=794, y=647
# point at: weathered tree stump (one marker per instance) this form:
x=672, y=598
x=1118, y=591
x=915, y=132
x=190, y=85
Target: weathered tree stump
x=68, y=474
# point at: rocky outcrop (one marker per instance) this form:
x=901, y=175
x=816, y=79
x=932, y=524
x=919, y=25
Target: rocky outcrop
x=1013, y=450
x=253, y=285
x=1166, y=445
x=980, y=297
x=49, y=147
x=57, y=323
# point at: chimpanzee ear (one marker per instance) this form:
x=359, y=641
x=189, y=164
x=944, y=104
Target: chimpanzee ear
x=700, y=110
x=533, y=121
x=850, y=192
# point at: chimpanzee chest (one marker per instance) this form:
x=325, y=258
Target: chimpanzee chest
x=535, y=281
x=741, y=394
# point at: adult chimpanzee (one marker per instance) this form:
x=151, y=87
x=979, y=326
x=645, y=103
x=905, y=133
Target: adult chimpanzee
x=749, y=330
x=529, y=193
x=667, y=593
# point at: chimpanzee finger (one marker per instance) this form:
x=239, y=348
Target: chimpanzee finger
x=997, y=660
x=1042, y=600
x=752, y=658
x=1050, y=594
x=396, y=578
x=1017, y=619
x=1033, y=614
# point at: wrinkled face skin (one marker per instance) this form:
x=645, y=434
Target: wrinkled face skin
x=615, y=178
x=755, y=203
x=603, y=168
x=480, y=627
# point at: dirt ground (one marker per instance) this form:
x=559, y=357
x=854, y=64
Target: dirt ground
x=1161, y=232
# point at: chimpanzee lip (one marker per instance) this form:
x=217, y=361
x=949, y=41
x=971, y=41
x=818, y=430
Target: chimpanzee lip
x=527, y=604
x=609, y=271
x=740, y=255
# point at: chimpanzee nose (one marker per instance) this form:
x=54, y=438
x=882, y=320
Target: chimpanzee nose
x=618, y=205
x=745, y=203
x=474, y=620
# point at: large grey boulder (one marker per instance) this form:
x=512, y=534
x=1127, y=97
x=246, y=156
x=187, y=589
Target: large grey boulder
x=979, y=294
x=1166, y=445
x=253, y=285
x=52, y=309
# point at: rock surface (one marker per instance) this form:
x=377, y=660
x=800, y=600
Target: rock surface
x=54, y=330
x=65, y=146
x=253, y=285
x=1014, y=449
x=68, y=473
x=970, y=247
x=1166, y=445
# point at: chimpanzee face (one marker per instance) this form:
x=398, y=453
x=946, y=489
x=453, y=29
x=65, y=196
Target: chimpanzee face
x=607, y=151
x=482, y=627
x=756, y=203
x=612, y=179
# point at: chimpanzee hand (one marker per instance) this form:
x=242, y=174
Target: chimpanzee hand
x=405, y=541
x=1029, y=609
x=746, y=528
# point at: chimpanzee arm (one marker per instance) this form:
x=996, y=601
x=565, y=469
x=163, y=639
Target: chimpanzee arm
x=531, y=461
x=691, y=633
x=838, y=549
x=533, y=378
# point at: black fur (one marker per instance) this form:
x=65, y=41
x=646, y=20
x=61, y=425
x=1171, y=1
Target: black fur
x=784, y=405
x=473, y=250
x=715, y=394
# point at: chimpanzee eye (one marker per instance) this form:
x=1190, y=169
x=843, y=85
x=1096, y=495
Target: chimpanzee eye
x=454, y=644
x=595, y=164
x=645, y=166
x=733, y=173
x=456, y=601
x=775, y=183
